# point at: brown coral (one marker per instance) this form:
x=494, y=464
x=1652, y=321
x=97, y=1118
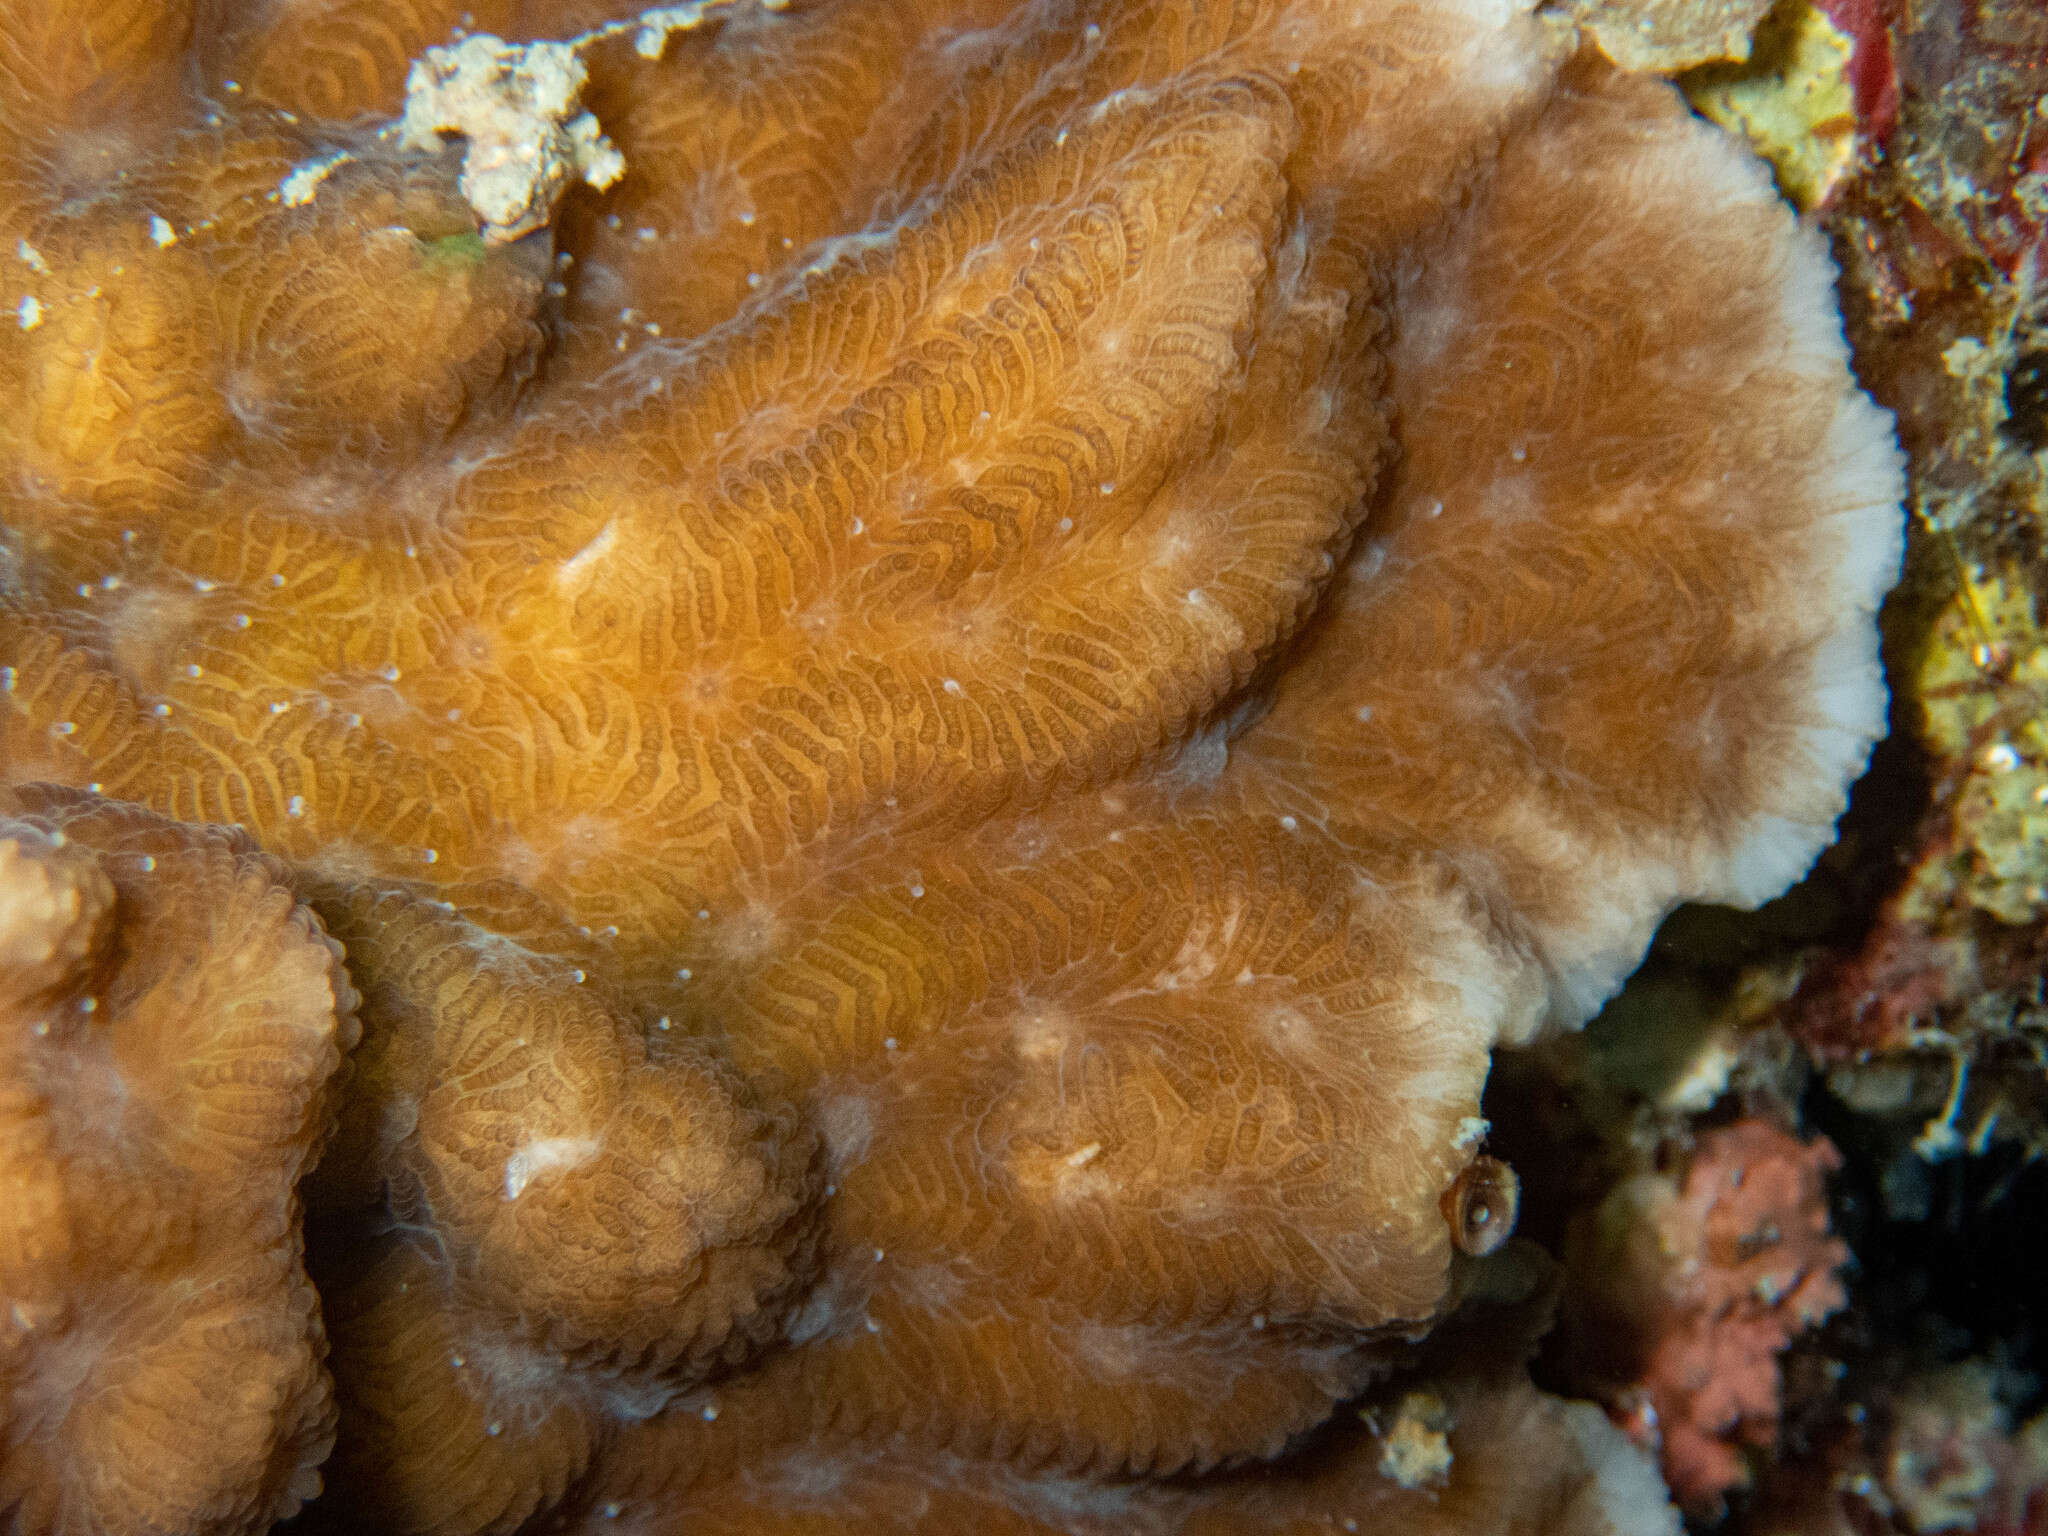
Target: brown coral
x=1518, y=1461
x=169, y=1022
x=934, y=826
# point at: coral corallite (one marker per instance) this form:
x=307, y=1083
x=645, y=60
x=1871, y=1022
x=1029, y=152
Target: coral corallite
x=941, y=725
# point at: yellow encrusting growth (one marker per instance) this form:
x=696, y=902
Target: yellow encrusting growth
x=1791, y=98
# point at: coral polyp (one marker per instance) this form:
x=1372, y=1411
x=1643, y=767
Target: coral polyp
x=947, y=669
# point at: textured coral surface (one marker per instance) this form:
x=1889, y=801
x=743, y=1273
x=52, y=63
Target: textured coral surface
x=170, y=1023
x=942, y=725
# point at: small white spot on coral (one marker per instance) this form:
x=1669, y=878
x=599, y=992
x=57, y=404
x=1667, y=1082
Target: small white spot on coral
x=578, y=565
x=29, y=312
x=546, y=1156
x=30, y=256
x=161, y=232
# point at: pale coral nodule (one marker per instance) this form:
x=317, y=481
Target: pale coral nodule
x=943, y=724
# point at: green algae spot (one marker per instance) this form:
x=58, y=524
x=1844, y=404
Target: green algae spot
x=463, y=250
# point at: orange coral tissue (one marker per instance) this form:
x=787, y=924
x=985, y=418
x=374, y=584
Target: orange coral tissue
x=947, y=666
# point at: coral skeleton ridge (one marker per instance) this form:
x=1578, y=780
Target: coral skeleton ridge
x=945, y=668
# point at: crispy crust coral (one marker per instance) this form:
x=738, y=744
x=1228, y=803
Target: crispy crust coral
x=944, y=725
x=170, y=1022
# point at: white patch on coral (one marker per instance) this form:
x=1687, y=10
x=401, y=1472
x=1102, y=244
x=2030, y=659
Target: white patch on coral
x=651, y=40
x=549, y=1155
x=847, y=1123
x=301, y=186
x=578, y=565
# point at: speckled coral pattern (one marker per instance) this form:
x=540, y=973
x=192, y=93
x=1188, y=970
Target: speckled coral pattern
x=943, y=727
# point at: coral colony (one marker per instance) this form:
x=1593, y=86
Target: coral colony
x=856, y=719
